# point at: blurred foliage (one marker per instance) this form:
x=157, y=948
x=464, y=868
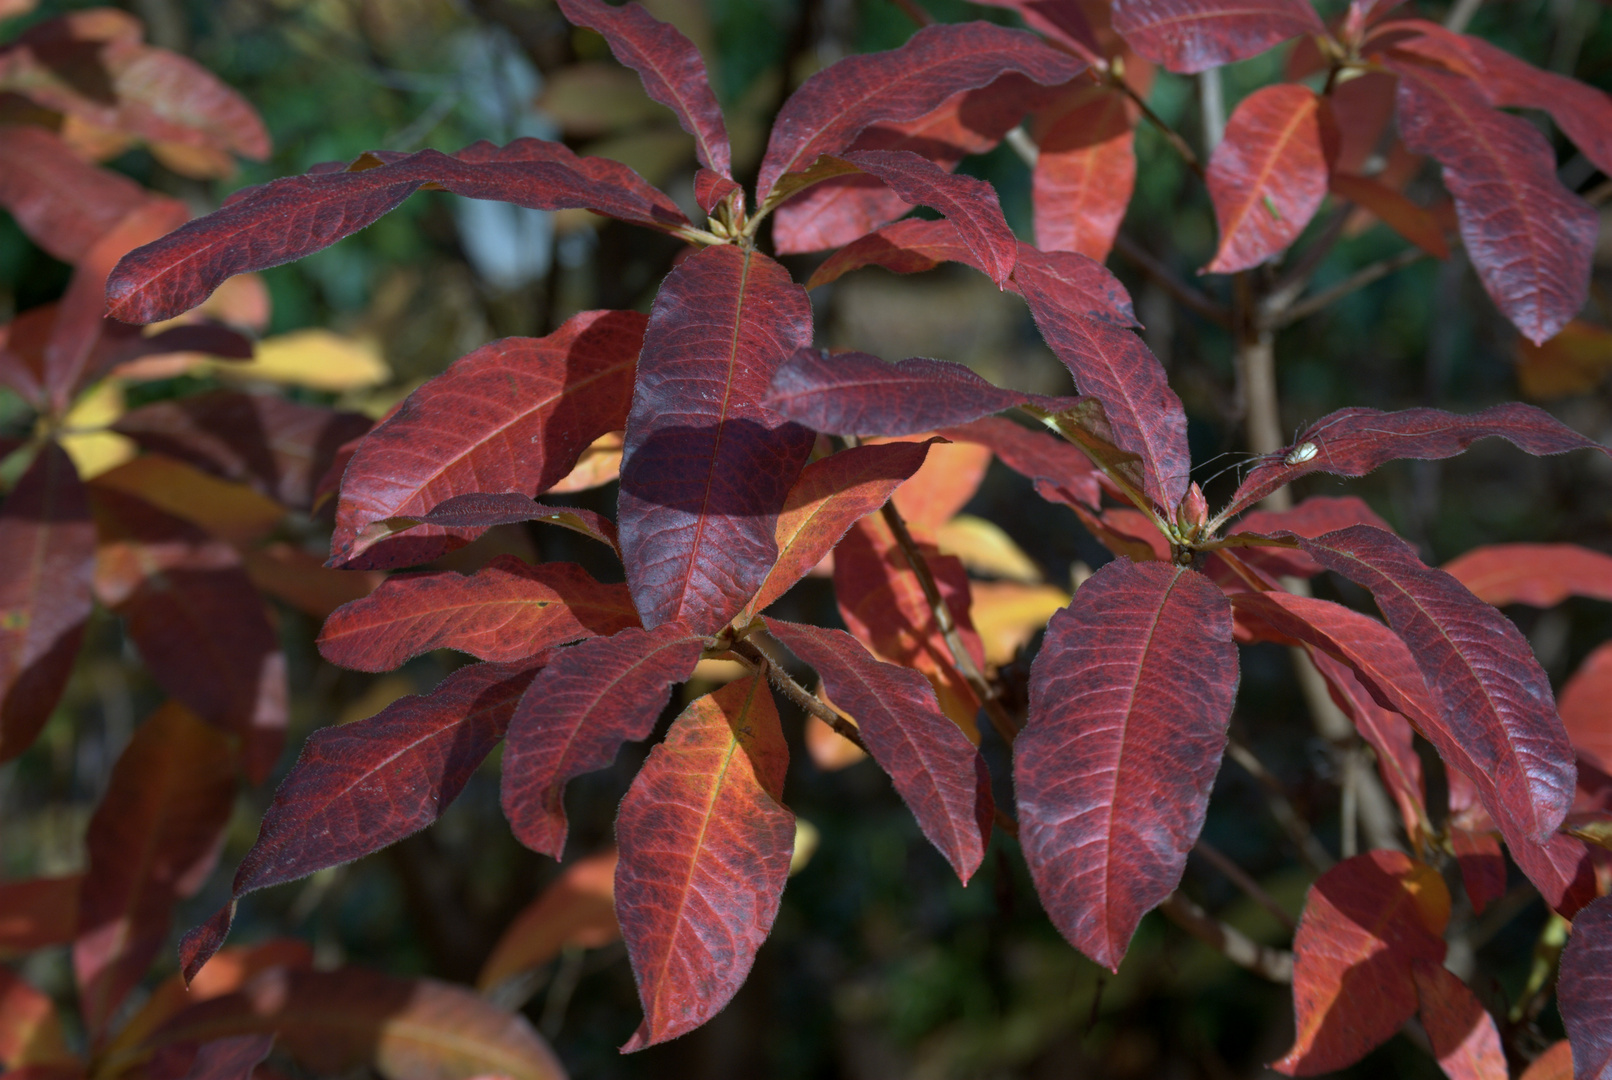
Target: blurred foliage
x=880, y=964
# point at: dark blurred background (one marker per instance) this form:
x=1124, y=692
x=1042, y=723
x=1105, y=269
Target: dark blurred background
x=880, y=964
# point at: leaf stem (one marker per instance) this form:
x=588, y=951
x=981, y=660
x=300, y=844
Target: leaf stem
x=1244, y=881
x=1193, y=299
x=1281, y=809
x=759, y=652
x=1273, y=964
x=1171, y=135
x=1356, y=281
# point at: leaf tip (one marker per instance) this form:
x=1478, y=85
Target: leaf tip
x=198, y=946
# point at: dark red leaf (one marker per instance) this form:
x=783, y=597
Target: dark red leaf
x=711, y=188
x=279, y=447
x=969, y=204
x=1312, y=517
x=831, y=495
x=1529, y=238
x=1584, y=991
x=515, y=415
x=1561, y=869
x=1356, y=440
x=670, y=67
x=937, y=771
x=1464, y=1037
x=152, y=842
x=1494, y=700
x=1061, y=20
x=1188, y=36
x=1083, y=176
x=1415, y=223
x=1268, y=175
x=38, y=913
x=289, y=218
x=1129, y=700
x=907, y=247
x=1586, y=707
x=707, y=466
x=852, y=393
x=1366, y=923
x=1389, y=736
x=506, y=611
x=47, y=544
x=1482, y=863
x=705, y=847
x=479, y=510
x=1035, y=455
x=230, y=1058
x=1541, y=575
x=61, y=202
x=834, y=106
x=1110, y=364
x=576, y=714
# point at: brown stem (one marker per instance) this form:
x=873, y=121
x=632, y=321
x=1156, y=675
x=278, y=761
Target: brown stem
x=1241, y=878
x=1256, y=377
x=1273, y=964
x=1171, y=135
x=758, y=650
x=1298, y=832
x=1187, y=296
x=1356, y=281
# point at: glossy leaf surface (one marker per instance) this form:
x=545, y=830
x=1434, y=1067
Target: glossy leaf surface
x=1188, y=36
x=576, y=714
x=937, y=771
x=1366, y=923
x=707, y=465
x=1129, y=700
x=514, y=415
x=1584, y=990
x=1268, y=175
x=47, y=544
x=705, y=846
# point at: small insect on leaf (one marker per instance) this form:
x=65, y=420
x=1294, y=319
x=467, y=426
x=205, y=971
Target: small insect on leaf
x=1300, y=454
x=1270, y=207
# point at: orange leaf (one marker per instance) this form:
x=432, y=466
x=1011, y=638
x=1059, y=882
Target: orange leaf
x=1268, y=175
x=577, y=910
x=1573, y=362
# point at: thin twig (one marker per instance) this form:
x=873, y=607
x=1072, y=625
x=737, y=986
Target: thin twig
x=1292, y=281
x=1189, y=297
x=1244, y=881
x=1273, y=964
x=1281, y=809
x=758, y=651
x=1366, y=275
x=1171, y=135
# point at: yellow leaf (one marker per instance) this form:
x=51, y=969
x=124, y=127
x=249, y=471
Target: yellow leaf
x=317, y=359
x=599, y=464
x=93, y=449
x=986, y=549
x=232, y=512
x=1007, y=614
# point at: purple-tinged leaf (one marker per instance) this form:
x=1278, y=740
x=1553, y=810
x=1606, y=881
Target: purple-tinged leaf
x=515, y=415
x=47, y=545
x=1356, y=440
x=710, y=189
x=707, y=466
x=1584, y=991
x=506, y=611
x=1189, y=36
x=907, y=247
x=233, y=1057
x=937, y=771
x=287, y=219
x=1129, y=700
x=1033, y=454
x=37, y=913
x=969, y=204
x=835, y=105
x=1473, y=840
x=1492, y=696
x=358, y=787
x=852, y=393
x=1530, y=239
x=1110, y=364
x=1464, y=1037
x=480, y=510
x=830, y=496
x=1312, y=517
x=152, y=842
x=1063, y=21
x=670, y=67
x=705, y=844
x=576, y=714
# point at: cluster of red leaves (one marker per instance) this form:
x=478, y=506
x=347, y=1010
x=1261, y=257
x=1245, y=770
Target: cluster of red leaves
x=722, y=508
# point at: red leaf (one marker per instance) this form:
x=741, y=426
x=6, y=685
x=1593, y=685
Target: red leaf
x=1082, y=180
x=705, y=849
x=1464, y=1037
x=670, y=67
x=1268, y=175
x=47, y=542
x=576, y=911
x=1540, y=575
x=831, y=495
x=230, y=1058
x=1312, y=517
x=707, y=465
x=289, y=218
x=1494, y=700
x=834, y=106
x=506, y=611
x=515, y=415
x=710, y=189
x=279, y=447
x=1061, y=20
x=359, y=787
x=1129, y=700
x=947, y=480
x=1554, y=1064
x=1585, y=708
x=1065, y=292
x=60, y=201
x=1584, y=990
x=1414, y=223
x=199, y=624
x=479, y=510
x=153, y=841
x=907, y=247
x=1363, y=107
x=1188, y=36
x=1354, y=441
x=576, y=714
x=852, y=393
x=1035, y=455
x=937, y=771
x=1529, y=238
x=1368, y=920
x=1389, y=736
x=224, y=974
x=1483, y=866
x=38, y=913
x=969, y=204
